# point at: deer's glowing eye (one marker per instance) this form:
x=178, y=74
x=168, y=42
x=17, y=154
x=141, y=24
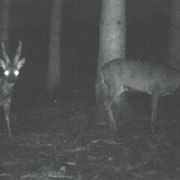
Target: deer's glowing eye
x=6, y=73
x=16, y=73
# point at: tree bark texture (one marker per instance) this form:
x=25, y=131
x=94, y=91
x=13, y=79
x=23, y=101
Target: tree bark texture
x=174, y=35
x=112, y=31
x=4, y=21
x=112, y=38
x=54, y=67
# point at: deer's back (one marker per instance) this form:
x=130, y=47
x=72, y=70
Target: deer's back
x=141, y=76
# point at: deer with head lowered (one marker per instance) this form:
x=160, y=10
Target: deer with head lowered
x=122, y=75
x=10, y=74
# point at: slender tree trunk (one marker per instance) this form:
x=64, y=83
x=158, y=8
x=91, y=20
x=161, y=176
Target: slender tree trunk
x=4, y=21
x=54, y=82
x=112, y=45
x=174, y=35
x=156, y=29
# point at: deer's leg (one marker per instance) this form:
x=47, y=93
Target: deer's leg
x=112, y=121
x=7, y=116
x=154, y=109
x=108, y=105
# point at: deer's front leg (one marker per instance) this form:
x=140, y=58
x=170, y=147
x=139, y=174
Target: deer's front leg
x=6, y=107
x=112, y=121
x=110, y=99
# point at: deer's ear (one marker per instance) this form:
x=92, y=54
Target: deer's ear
x=21, y=63
x=2, y=64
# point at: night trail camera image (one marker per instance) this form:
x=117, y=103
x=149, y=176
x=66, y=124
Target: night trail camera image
x=89, y=89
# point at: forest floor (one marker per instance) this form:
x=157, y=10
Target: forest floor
x=55, y=141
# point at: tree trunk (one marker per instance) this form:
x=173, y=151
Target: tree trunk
x=54, y=82
x=4, y=21
x=112, y=45
x=174, y=35
x=112, y=31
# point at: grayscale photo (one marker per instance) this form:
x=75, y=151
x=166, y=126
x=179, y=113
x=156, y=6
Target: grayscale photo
x=89, y=89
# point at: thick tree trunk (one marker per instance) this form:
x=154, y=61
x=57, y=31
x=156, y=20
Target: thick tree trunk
x=174, y=35
x=112, y=31
x=54, y=69
x=4, y=21
x=112, y=45
x=112, y=42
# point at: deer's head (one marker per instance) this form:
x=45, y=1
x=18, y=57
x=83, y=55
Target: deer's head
x=11, y=68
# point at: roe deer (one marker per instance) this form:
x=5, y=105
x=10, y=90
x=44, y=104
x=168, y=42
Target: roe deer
x=122, y=75
x=7, y=82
